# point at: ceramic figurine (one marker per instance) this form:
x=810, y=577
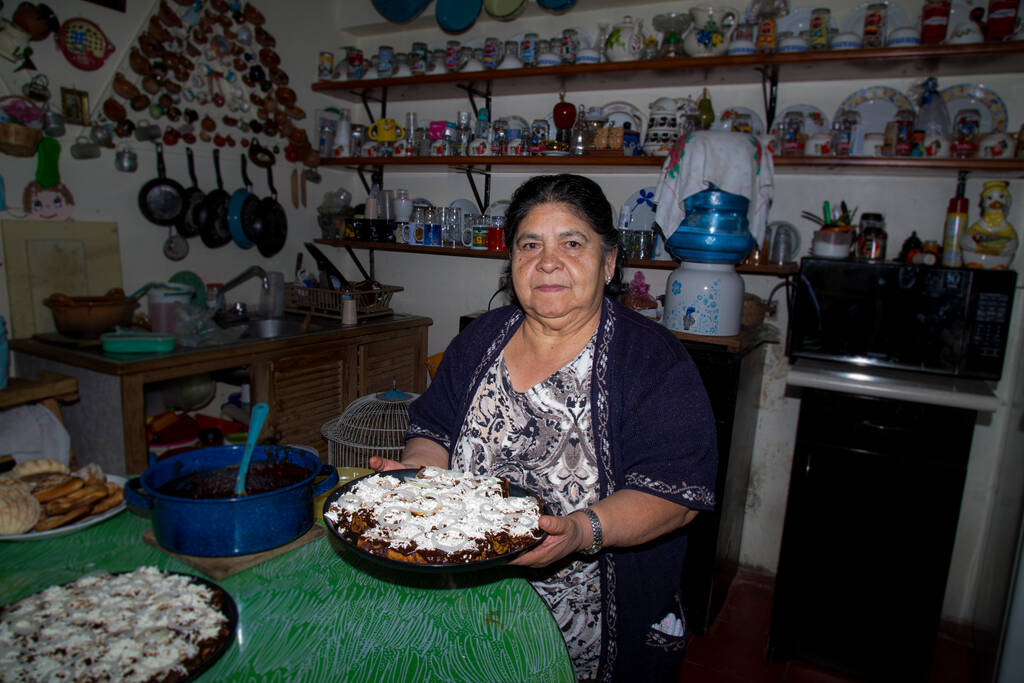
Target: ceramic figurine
x=990, y=242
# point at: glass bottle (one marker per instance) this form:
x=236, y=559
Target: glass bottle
x=578, y=135
x=463, y=134
x=483, y=124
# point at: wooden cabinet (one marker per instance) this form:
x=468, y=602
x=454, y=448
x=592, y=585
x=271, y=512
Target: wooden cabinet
x=874, y=500
x=306, y=381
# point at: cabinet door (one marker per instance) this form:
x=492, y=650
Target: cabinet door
x=868, y=536
x=399, y=362
x=309, y=389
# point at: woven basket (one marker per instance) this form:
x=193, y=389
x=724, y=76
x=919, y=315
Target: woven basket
x=754, y=310
x=16, y=139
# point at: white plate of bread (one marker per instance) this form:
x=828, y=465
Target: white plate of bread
x=43, y=499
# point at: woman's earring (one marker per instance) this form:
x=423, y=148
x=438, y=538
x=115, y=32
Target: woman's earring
x=607, y=282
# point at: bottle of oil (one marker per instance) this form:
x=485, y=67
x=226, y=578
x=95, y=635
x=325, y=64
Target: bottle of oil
x=956, y=223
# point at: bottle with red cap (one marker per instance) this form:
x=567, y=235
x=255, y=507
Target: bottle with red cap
x=956, y=223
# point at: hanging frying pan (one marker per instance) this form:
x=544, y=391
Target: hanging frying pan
x=456, y=16
x=241, y=210
x=271, y=224
x=187, y=225
x=161, y=199
x=212, y=213
x=400, y=11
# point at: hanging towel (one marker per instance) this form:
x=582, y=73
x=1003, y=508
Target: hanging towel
x=734, y=162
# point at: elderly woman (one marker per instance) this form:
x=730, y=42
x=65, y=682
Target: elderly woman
x=599, y=411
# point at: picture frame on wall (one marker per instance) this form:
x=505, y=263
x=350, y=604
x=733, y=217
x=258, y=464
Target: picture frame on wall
x=74, y=105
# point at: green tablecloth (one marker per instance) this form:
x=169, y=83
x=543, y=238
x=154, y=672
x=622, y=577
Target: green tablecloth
x=319, y=613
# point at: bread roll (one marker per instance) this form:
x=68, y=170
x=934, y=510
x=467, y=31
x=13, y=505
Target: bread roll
x=41, y=466
x=19, y=510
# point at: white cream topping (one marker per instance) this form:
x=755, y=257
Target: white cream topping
x=136, y=626
x=438, y=509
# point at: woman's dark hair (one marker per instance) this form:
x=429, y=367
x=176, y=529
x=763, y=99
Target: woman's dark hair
x=580, y=195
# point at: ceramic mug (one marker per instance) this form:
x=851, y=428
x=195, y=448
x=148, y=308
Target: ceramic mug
x=84, y=148
x=818, y=145
x=846, y=41
x=997, y=146
x=793, y=44
x=742, y=47
x=126, y=160
x=587, y=55
x=936, y=146
x=904, y=36
x=146, y=131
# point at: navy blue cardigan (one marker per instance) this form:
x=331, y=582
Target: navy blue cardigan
x=653, y=432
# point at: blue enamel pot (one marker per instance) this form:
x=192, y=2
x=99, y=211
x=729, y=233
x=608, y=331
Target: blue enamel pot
x=220, y=527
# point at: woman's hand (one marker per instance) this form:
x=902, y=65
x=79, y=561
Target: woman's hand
x=379, y=464
x=565, y=536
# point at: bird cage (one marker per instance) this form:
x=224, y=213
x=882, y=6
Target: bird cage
x=371, y=425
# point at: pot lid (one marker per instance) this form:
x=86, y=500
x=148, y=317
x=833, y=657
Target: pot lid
x=455, y=16
x=400, y=11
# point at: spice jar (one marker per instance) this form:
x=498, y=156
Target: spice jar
x=817, y=32
x=354, y=65
x=791, y=134
x=875, y=20
x=966, y=133
x=934, y=21
x=843, y=129
x=904, y=138
x=872, y=240
x=528, y=50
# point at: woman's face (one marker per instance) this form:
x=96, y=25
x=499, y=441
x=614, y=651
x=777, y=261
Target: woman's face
x=558, y=268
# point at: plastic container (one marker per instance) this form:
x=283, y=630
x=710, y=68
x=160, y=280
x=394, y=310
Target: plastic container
x=163, y=299
x=873, y=238
x=137, y=342
x=271, y=303
x=832, y=243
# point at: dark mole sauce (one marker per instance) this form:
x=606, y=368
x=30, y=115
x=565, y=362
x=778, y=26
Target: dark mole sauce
x=220, y=483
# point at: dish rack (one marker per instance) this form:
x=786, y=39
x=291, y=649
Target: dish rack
x=327, y=302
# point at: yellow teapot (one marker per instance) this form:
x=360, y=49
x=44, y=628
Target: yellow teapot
x=386, y=130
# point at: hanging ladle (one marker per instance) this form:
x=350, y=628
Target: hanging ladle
x=259, y=414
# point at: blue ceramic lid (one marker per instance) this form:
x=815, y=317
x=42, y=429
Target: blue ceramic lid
x=455, y=16
x=400, y=11
x=714, y=198
x=557, y=5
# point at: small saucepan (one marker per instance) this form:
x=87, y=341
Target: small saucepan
x=187, y=225
x=242, y=210
x=270, y=226
x=161, y=199
x=212, y=213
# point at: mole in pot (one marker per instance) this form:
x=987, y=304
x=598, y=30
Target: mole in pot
x=263, y=476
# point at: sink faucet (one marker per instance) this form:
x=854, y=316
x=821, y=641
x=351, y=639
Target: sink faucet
x=252, y=271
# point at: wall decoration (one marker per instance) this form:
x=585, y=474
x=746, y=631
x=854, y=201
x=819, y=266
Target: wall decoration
x=83, y=43
x=48, y=203
x=74, y=104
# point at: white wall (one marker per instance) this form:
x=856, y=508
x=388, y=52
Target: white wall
x=443, y=288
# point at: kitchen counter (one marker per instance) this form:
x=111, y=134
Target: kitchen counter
x=901, y=385
x=306, y=380
x=319, y=613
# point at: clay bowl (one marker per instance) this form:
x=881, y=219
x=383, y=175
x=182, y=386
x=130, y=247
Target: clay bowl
x=123, y=87
x=151, y=84
x=296, y=113
x=150, y=46
x=253, y=15
x=140, y=102
x=138, y=62
x=157, y=30
x=114, y=110
x=264, y=37
x=269, y=58
x=169, y=16
x=172, y=87
x=277, y=76
x=90, y=316
x=285, y=96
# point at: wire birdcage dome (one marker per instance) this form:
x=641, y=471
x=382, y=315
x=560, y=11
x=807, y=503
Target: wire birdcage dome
x=371, y=425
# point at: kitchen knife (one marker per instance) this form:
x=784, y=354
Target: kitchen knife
x=324, y=265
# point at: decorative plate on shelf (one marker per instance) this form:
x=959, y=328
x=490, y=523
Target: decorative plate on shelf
x=465, y=206
x=498, y=207
x=988, y=103
x=619, y=113
x=724, y=119
x=877, y=106
x=815, y=120
x=854, y=21
x=516, y=122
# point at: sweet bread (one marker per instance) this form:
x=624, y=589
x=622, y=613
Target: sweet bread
x=50, y=491
x=41, y=466
x=19, y=510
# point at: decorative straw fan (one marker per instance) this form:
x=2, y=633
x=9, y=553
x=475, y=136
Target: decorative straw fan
x=371, y=425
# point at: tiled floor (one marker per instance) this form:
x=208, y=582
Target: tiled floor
x=734, y=649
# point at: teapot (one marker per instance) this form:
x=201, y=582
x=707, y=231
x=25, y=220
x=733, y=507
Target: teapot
x=620, y=45
x=711, y=31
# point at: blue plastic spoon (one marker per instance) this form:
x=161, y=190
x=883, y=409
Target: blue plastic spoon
x=259, y=414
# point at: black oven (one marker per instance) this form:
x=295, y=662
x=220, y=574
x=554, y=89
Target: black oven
x=951, y=321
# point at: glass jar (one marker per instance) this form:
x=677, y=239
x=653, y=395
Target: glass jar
x=418, y=58
x=872, y=239
x=385, y=61
x=528, y=50
x=875, y=21
x=511, y=50
x=499, y=137
x=570, y=44
x=966, y=133
x=540, y=133
x=492, y=53
x=791, y=134
x=904, y=138
x=436, y=64
x=355, y=67
x=817, y=31
x=451, y=56
x=843, y=129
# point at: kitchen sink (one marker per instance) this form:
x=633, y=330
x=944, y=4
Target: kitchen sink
x=270, y=328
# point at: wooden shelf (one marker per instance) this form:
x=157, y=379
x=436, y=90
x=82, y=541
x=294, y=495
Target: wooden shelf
x=598, y=164
x=777, y=271
x=46, y=385
x=821, y=65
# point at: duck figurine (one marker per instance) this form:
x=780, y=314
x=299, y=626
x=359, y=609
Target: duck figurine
x=990, y=242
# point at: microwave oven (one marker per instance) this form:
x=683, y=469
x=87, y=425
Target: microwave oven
x=950, y=321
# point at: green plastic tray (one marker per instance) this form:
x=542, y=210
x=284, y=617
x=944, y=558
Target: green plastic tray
x=137, y=342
